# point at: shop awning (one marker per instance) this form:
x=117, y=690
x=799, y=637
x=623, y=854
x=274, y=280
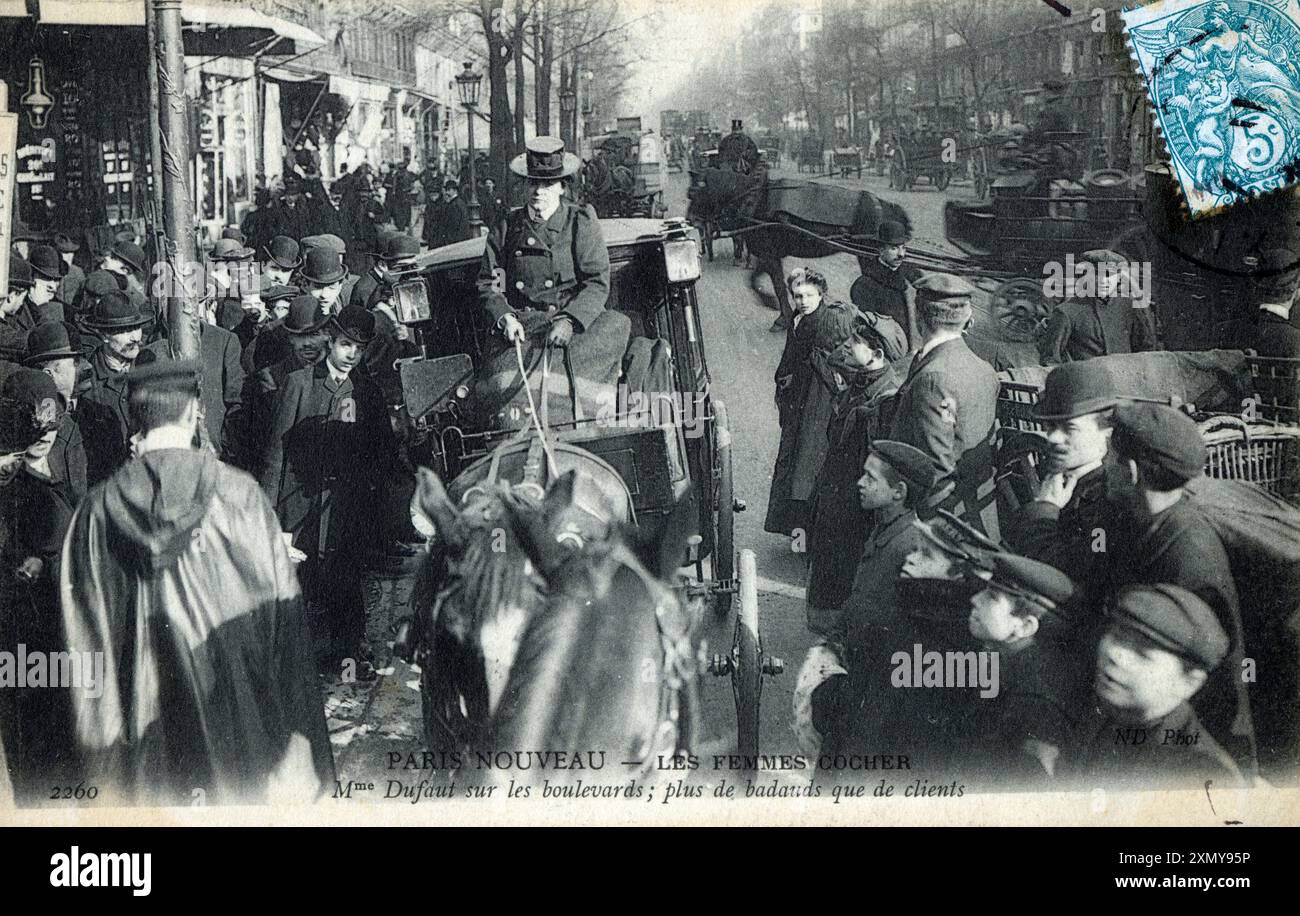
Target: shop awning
x=236, y=16
x=358, y=90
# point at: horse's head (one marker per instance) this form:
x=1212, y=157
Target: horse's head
x=488, y=589
x=614, y=642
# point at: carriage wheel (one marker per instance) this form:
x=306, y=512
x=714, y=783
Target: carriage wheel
x=1020, y=308
x=724, y=509
x=747, y=653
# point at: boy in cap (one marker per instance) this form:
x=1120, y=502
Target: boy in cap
x=1031, y=720
x=1161, y=646
x=896, y=480
x=1060, y=525
x=882, y=288
x=329, y=443
x=947, y=405
x=186, y=550
x=1159, y=536
x=1099, y=325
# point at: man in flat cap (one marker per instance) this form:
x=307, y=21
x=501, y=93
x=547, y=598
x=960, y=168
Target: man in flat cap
x=221, y=384
x=1102, y=324
x=1161, y=646
x=102, y=410
x=1059, y=526
x=1159, y=536
x=849, y=708
x=177, y=577
x=882, y=289
x=330, y=447
x=1042, y=689
x=947, y=405
x=35, y=512
x=549, y=272
x=1269, y=332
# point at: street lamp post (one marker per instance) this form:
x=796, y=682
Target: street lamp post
x=467, y=84
x=568, y=102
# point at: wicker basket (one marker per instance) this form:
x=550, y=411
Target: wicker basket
x=1267, y=454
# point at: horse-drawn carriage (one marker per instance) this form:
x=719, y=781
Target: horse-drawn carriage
x=811, y=150
x=655, y=456
x=769, y=145
x=625, y=175
x=846, y=159
x=915, y=155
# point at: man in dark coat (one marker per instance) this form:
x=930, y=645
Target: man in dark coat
x=101, y=409
x=1158, y=653
x=947, y=405
x=178, y=578
x=737, y=149
x=221, y=387
x=447, y=220
x=1060, y=525
x=1158, y=535
x=51, y=349
x=882, y=288
x=48, y=271
x=330, y=440
x=17, y=314
x=70, y=286
x=299, y=341
x=1099, y=325
x=399, y=199
x=1271, y=332
x=549, y=270
x=281, y=257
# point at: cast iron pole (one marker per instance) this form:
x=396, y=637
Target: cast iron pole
x=178, y=213
x=474, y=220
x=155, y=138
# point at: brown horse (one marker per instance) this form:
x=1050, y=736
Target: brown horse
x=780, y=218
x=546, y=631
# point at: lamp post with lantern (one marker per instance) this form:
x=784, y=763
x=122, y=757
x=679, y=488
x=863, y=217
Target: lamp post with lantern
x=569, y=132
x=467, y=84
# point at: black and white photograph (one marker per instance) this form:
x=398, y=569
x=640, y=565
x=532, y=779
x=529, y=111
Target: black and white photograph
x=758, y=412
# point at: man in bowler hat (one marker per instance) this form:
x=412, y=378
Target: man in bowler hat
x=54, y=347
x=282, y=256
x=1060, y=524
x=882, y=289
x=329, y=442
x=446, y=220
x=70, y=287
x=48, y=271
x=102, y=411
x=946, y=407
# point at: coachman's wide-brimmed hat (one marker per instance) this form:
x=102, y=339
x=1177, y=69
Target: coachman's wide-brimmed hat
x=544, y=159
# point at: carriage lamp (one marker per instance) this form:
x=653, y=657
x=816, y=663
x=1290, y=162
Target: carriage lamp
x=682, y=260
x=37, y=101
x=467, y=84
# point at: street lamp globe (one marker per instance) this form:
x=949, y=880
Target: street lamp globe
x=467, y=84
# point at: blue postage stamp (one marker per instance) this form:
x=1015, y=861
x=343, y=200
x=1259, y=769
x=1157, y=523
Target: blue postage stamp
x=1223, y=78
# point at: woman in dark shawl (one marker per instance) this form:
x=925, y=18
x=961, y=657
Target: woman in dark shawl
x=805, y=395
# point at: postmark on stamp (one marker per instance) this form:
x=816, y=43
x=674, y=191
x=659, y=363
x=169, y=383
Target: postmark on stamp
x=1223, y=78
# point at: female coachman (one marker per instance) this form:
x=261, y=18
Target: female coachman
x=805, y=394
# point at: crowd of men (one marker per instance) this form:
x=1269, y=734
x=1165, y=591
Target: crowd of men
x=1106, y=600
x=293, y=383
